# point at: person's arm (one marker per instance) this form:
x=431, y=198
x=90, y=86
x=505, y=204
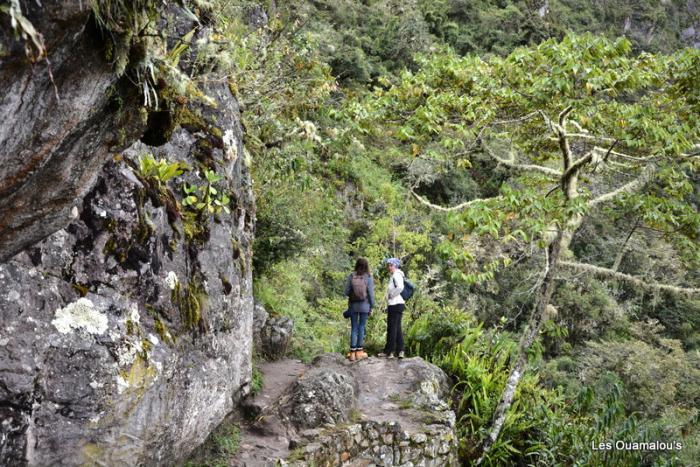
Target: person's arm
x=370, y=292
x=396, y=285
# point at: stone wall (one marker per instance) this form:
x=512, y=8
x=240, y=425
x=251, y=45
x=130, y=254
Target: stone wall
x=382, y=444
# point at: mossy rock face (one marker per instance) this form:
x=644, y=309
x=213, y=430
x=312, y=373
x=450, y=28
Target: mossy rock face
x=96, y=343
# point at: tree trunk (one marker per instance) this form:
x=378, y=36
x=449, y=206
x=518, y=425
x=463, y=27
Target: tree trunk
x=529, y=336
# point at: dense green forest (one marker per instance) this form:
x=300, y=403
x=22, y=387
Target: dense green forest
x=535, y=167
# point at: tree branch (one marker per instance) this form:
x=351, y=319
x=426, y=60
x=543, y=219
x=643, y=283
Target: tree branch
x=458, y=207
x=621, y=253
x=576, y=166
x=626, y=188
x=563, y=140
x=562, y=116
x=637, y=281
x=512, y=164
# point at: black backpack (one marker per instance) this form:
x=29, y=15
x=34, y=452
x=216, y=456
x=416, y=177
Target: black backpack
x=408, y=289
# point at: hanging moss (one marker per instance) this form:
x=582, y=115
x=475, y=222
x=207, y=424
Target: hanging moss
x=146, y=347
x=191, y=300
x=131, y=327
x=162, y=331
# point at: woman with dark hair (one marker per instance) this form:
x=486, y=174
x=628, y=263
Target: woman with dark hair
x=359, y=288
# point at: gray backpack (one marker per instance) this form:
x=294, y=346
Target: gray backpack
x=358, y=293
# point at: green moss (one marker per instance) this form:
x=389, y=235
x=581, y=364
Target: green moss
x=151, y=310
x=92, y=453
x=162, y=331
x=110, y=225
x=257, y=381
x=243, y=264
x=195, y=227
x=139, y=377
x=110, y=247
x=225, y=284
x=191, y=299
x=186, y=117
x=82, y=289
x=216, y=132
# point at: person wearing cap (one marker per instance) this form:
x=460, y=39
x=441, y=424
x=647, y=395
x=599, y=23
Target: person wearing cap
x=394, y=336
x=359, y=288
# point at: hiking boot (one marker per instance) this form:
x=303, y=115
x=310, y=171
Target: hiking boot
x=351, y=356
x=401, y=354
x=361, y=354
x=391, y=355
x=382, y=355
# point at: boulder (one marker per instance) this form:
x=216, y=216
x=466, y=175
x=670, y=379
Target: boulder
x=260, y=316
x=275, y=337
x=324, y=395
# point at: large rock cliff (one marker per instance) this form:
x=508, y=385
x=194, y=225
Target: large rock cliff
x=125, y=312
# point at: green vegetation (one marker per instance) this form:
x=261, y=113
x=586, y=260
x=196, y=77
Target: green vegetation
x=219, y=448
x=580, y=265
x=257, y=381
x=209, y=199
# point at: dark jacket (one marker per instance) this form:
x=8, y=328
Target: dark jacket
x=366, y=305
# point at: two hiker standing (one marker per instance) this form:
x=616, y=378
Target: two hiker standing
x=359, y=288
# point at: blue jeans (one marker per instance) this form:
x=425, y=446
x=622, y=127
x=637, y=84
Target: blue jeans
x=358, y=321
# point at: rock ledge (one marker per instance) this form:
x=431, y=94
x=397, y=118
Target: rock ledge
x=333, y=412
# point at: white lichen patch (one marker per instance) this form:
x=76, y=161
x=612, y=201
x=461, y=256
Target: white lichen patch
x=80, y=315
x=134, y=315
x=96, y=385
x=230, y=145
x=171, y=280
x=13, y=296
x=122, y=385
x=126, y=353
x=153, y=339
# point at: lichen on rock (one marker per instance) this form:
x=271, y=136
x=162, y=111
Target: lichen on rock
x=80, y=315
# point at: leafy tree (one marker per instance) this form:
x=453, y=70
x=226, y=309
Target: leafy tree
x=584, y=126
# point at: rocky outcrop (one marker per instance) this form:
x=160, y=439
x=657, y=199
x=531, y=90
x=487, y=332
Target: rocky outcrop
x=60, y=119
x=323, y=396
x=125, y=311
x=126, y=336
x=333, y=412
x=271, y=335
